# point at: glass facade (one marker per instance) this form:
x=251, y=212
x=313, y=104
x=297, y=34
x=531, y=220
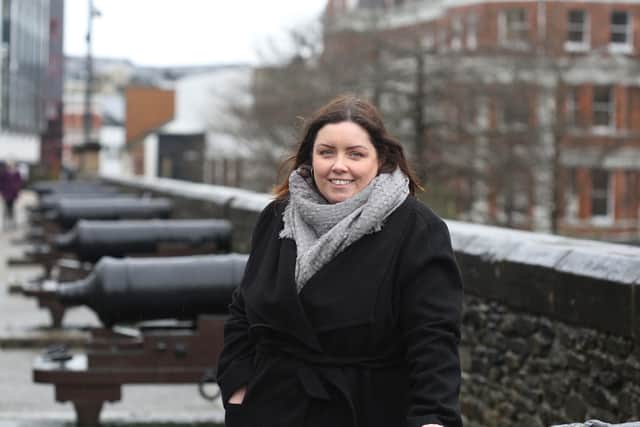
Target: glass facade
x=25, y=56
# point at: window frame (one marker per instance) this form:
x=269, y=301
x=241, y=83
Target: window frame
x=351, y=5
x=627, y=46
x=508, y=119
x=572, y=108
x=572, y=196
x=597, y=107
x=607, y=218
x=471, y=34
x=455, y=42
x=506, y=27
x=585, y=44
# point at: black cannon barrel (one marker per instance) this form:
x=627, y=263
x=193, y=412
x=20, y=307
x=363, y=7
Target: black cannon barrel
x=91, y=240
x=69, y=211
x=138, y=289
x=83, y=186
x=50, y=201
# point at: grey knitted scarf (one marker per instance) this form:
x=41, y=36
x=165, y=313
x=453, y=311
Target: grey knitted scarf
x=322, y=230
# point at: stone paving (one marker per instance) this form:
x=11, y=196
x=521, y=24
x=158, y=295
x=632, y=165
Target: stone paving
x=24, y=332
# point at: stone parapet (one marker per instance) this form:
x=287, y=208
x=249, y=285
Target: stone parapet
x=551, y=324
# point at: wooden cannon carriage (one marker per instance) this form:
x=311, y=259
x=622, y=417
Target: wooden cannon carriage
x=193, y=289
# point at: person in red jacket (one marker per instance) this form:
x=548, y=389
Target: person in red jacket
x=10, y=185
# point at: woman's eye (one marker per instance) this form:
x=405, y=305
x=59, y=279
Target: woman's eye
x=325, y=152
x=356, y=154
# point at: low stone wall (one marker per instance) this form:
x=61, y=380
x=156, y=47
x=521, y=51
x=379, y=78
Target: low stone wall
x=550, y=330
x=551, y=325
x=530, y=370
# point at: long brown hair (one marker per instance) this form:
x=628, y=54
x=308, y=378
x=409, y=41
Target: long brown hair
x=349, y=108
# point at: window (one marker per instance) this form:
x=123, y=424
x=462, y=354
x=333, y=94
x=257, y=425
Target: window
x=577, y=31
x=351, y=4
x=571, y=108
x=620, y=40
x=600, y=193
x=603, y=107
x=483, y=113
x=514, y=200
x=472, y=31
x=442, y=38
x=515, y=113
x=456, y=33
x=513, y=28
x=428, y=41
x=571, y=196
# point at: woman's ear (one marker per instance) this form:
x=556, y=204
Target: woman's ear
x=305, y=170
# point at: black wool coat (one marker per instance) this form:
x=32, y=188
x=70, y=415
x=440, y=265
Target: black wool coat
x=371, y=340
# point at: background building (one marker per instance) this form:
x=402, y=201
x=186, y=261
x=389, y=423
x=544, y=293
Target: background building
x=519, y=113
x=51, y=139
x=197, y=144
x=24, y=59
x=147, y=108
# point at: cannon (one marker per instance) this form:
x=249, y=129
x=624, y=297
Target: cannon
x=139, y=289
x=49, y=192
x=70, y=211
x=49, y=202
x=89, y=241
x=80, y=186
x=67, y=212
x=193, y=291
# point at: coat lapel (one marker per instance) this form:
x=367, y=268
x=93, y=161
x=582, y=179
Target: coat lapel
x=274, y=298
x=344, y=292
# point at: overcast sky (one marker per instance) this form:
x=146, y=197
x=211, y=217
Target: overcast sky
x=185, y=32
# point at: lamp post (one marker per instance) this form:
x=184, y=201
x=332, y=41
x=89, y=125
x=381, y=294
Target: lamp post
x=88, y=91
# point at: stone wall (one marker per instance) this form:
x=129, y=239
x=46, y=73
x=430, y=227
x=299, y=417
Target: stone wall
x=528, y=370
x=550, y=330
x=551, y=325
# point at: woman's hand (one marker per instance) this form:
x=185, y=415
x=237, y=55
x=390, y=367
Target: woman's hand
x=238, y=396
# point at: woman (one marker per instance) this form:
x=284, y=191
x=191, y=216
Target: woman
x=349, y=310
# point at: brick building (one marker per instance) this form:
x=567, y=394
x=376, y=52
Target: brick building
x=558, y=80
x=147, y=108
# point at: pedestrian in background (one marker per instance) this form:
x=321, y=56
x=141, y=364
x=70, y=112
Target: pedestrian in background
x=10, y=185
x=349, y=311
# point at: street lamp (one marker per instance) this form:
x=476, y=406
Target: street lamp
x=88, y=144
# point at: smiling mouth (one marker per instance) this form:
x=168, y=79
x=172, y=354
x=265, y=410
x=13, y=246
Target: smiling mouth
x=341, y=181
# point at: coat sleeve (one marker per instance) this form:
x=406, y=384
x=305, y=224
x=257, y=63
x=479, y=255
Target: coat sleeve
x=235, y=364
x=430, y=315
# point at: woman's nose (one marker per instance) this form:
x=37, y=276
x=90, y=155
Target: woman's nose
x=339, y=164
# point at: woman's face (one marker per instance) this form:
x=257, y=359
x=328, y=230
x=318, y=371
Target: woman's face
x=344, y=160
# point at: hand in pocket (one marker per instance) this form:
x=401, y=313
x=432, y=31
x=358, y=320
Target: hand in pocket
x=238, y=396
